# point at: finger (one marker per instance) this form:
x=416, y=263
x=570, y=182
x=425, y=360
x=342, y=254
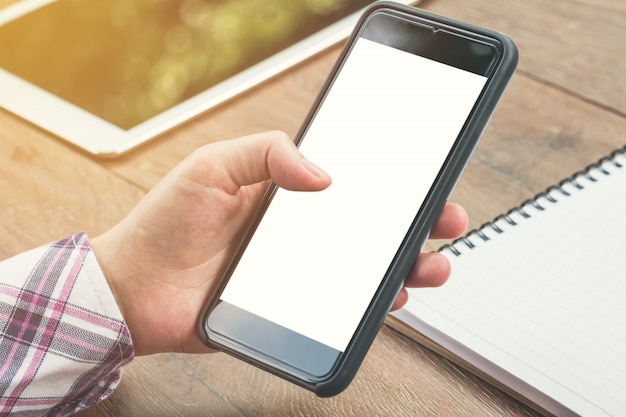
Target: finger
x=400, y=300
x=259, y=157
x=452, y=222
x=431, y=270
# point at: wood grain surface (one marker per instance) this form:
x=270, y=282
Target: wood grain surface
x=564, y=108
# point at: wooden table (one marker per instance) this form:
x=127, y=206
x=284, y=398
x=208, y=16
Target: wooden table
x=564, y=108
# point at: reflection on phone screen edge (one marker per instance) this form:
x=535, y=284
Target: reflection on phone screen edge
x=277, y=344
x=432, y=42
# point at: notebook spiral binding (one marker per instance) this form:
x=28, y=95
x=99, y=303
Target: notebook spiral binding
x=591, y=173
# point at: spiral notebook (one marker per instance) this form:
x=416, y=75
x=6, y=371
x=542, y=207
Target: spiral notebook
x=536, y=302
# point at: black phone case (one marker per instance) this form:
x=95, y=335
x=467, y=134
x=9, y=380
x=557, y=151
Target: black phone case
x=348, y=364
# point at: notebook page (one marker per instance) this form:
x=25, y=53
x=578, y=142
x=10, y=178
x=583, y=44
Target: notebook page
x=542, y=302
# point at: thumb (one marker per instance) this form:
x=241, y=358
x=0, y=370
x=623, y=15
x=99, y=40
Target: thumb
x=269, y=155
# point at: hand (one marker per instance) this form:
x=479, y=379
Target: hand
x=163, y=260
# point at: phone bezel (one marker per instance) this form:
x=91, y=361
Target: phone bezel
x=343, y=369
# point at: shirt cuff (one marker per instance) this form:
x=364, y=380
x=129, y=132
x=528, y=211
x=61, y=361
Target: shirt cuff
x=63, y=337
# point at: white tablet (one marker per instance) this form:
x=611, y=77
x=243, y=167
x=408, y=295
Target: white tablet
x=108, y=75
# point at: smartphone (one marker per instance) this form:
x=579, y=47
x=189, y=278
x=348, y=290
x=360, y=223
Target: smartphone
x=394, y=125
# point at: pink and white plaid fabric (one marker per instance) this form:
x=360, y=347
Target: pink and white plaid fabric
x=62, y=337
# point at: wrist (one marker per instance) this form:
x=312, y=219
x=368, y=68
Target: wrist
x=159, y=319
x=105, y=255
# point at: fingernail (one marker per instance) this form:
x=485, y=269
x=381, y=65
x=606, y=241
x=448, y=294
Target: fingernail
x=314, y=169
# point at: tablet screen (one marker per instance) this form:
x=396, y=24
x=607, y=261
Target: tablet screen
x=126, y=61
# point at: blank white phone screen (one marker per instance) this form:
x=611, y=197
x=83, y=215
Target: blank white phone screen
x=382, y=133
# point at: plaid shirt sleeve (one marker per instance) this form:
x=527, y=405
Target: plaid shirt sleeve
x=62, y=337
